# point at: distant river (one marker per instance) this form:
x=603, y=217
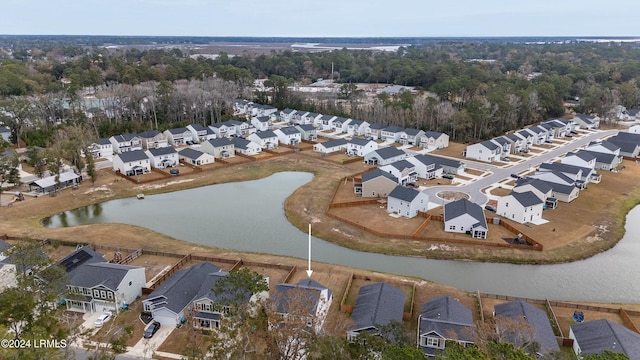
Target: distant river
x=249, y=216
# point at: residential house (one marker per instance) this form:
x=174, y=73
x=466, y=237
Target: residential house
x=629, y=143
x=309, y=118
x=195, y=157
x=262, y=110
x=521, y=207
x=631, y=114
x=201, y=133
x=241, y=106
x=361, y=147
x=132, y=163
x=442, y=319
x=578, y=173
x=298, y=117
x=604, y=161
x=262, y=123
x=163, y=157
x=586, y=121
x=169, y=300
x=223, y=129
x=562, y=188
x=220, y=148
x=324, y=123
x=178, y=136
x=308, y=132
x=285, y=115
x=594, y=337
x=153, y=139
x=246, y=147
x=426, y=166
x=331, y=146
x=433, y=140
x=307, y=298
x=374, y=131
x=411, y=136
x=266, y=139
x=288, y=135
x=555, y=128
x=376, y=183
x=339, y=125
x=485, y=151
x=95, y=285
x=536, y=318
x=517, y=143
x=101, y=149
x=463, y=216
x=377, y=304
x=206, y=306
x=403, y=170
x=634, y=129
x=528, y=137
x=603, y=146
x=384, y=156
x=506, y=146
x=540, y=188
x=391, y=134
x=357, y=127
x=51, y=184
x=581, y=159
x=540, y=134
x=126, y=142
x=407, y=201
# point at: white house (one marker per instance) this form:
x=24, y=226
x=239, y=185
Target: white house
x=505, y=144
x=298, y=117
x=604, y=147
x=246, y=147
x=308, y=298
x=384, y=156
x=391, y=134
x=200, y=133
x=374, y=131
x=178, y=136
x=223, y=129
x=517, y=142
x=580, y=158
x=331, y=146
x=266, y=139
x=539, y=188
x=403, y=170
x=634, y=129
x=357, y=127
x=153, y=139
x=376, y=183
x=309, y=118
x=126, y=142
x=163, y=157
x=406, y=201
x=132, y=163
x=485, y=151
x=339, y=124
x=361, y=147
x=433, y=140
x=426, y=167
x=95, y=285
x=324, y=122
x=285, y=115
x=261, y=123
x=587, y=121
x=288, y=135
x=464, y=217
x=521, y=207
x=220, y=148
x=195, y=157
x=101, y=149
x=308, y=132
x=411, y=136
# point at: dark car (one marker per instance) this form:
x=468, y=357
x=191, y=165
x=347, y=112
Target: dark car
x=491, y=208
x=516, y=176
x=447, y=176
x=151, y=330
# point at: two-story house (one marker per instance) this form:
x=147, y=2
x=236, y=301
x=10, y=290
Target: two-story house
x=101, y=149
x=220, y=148
x=163, y=157
x=288, y=135
x=126, y=142
x=266, y=139
x=153, y=139
x=178, y=136
x=132, y=163
x=463, y=216
x=407, y=201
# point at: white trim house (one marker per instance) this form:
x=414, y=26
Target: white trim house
x=163, y=157
x=406, y=201
x=132, y=163
x=462, y=216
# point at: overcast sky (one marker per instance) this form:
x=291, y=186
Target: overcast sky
x=322, y=18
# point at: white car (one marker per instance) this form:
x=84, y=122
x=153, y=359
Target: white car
x=102, y=319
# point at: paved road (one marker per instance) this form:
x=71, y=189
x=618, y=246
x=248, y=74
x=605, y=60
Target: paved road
x=474, y=188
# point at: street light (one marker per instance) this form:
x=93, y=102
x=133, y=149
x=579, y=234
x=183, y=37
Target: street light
x=153, y=107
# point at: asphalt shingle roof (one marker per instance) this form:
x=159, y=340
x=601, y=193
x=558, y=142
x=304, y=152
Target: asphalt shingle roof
x=596, y=336
x=131, y=156
x=404, y=193
x=433, y=134
x=527, y=198
x=220, y=142
x=376, y=173
x=306, y=127
x=334, y=143
x=240, y=143
x=538, y=319
x=377, y=304
x=389, y=152
x=289, y=130
x=266, y=134
x=162, y=151
x=180, y=130
x=402, y=164
x=190, y=153
x=460, y=207
x=359, y=141
x=448, y=318
x=306, y=293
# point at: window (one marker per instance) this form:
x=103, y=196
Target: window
x=110, y=295
x=103, y=294
x=96, y=293
x=130, y=283
x=506, y=204
x=452, y=227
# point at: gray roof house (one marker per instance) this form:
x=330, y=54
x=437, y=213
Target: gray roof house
x=628, y=147
x=579, y=173
x=384, y=156
x=95, y=285
x=220, y=148
x=169, y=300
x=307, y=298
x=376, y=183
x=331, y=146
x=444, y=318
x=377, y=304
x=131, y=163
x=604, y=161
x=596, y=336
x=522, y=207
x=195, y=157
x=463, y=216
x=406, y=201
x=484, y=151
x=536, y=318
x=163, y=157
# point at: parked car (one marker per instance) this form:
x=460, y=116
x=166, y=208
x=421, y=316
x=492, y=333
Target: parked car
x=516, y=176
x=491, y=208
x=103, y=318
x=151, y=330
x=447, y=176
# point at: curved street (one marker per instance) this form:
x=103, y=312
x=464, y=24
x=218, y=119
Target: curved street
x=474, y=188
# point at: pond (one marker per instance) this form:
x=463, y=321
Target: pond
x=249, y=216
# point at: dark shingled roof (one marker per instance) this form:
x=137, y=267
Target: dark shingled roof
x=104, y=141
x=289, y=130
x=240, y=143
x=448, y=318
x=543, y=333
x=162, y=151
x=389, y=152
x=393, y=129
x=327, y=117
x=596, y=336
x=542, y=186
x=359, y=141
x=489, y=145
x=603, y=158
x=220, y=142
x=376, y=173
x=149, y=134
x=376, y=126
x=514, y=137
x=502, y=140
x=404, y=193
x=198, y=127
x=306, y=127
x=626, y=145
x=102, y=273
x=605, y=144
x=402, y=164
x=263, y=119
x=412, y=132
x=586, y=156
x=334, y=143
x=306, y=293
x=266, y=134
x=527, y=198
x=460, y=207
x=377, y=304
x=565, y=168
x=431, y=159
x=124, y=137
x=131, y=156
x=180, y=130
x=190, y=153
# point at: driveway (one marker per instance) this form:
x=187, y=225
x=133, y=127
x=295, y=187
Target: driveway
x=474, y=189
x=146, y=347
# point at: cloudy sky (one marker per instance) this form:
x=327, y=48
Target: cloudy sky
x=322, y=18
